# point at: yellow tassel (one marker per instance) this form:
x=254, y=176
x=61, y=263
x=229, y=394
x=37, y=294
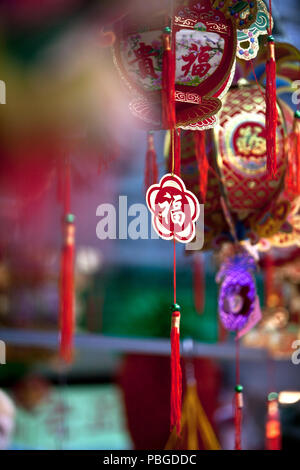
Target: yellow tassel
x=193, y=421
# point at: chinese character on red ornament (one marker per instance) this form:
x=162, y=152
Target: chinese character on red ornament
x=198, y=58
x=143, y=58
x=174, y=209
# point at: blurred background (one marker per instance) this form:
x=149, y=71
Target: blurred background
x=63, y=96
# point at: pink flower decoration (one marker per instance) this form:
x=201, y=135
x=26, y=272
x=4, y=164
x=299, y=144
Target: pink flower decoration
x=174, y=209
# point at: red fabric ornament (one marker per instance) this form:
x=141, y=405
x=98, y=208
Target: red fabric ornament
x=204, y=64
x=174, y=209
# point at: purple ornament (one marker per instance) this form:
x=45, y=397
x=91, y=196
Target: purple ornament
x=237, y=292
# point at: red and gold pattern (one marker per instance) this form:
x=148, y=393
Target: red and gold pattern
x=238, y=147
x=241, y=149
x=205, y=44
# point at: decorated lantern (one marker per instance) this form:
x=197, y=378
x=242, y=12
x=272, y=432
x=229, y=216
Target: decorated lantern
x=204, y=38
x=237, y=169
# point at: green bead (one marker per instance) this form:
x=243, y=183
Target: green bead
x=167, y=30
x=297, y=114
x=270, y=38
x=239, y=388
x=272, y=396
x=175, y=308
x=70, y=218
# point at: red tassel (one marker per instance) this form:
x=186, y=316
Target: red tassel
x=200, y=151
x=238, y=417
x=293, y=170
x=271, y=103
x=168, y=82
x=67, y=276
x=151, y=168
x=67, y=293
x=273, y=428
x=199, y=283
x=176, y=374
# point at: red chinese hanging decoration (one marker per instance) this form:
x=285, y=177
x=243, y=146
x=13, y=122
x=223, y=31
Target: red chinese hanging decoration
x=191, y=63
x=175, y=211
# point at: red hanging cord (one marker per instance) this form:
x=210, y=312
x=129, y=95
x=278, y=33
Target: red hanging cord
x=177, y=152
x=271, y=103
x=66, y=314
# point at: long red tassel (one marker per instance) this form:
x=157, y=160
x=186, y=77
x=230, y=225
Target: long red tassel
x=200, y=151
x=238, y=402
x=271, y=103
x=273, y=427
x=176, y=374
x=168, y=82
x=293, y=170
x=151, y=168
x=67, y=276
x=199, y=283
